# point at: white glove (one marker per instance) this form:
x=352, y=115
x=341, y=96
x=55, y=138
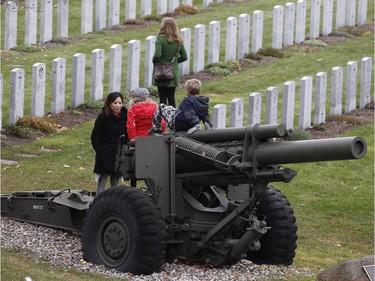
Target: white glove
x=193, y=129
x=207, y=126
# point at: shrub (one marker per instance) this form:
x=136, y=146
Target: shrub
x=315, y=42
x=27, y=48
x=319, y=127
x=218, y=70
x=344, y=118
x=21, y=132
x=98, y=104
x=354, y=30
x=186, y=9
x=134, y=21
x=153, y=90
x=153, y=18
x=36, y=123
x=254, y=56
x=299, y=135
x=271, y=52
x=223, y=68
x=60, y=40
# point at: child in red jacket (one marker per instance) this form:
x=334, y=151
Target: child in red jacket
x=141, y=109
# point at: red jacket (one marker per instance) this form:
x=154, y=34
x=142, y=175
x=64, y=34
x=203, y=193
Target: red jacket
x=140, y=119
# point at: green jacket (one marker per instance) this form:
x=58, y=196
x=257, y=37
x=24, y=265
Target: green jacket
x=164, y=53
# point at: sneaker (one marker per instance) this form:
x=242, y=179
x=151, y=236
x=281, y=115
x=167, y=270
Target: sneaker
x=154, y=131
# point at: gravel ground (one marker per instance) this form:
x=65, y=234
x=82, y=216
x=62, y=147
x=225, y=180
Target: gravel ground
x=63, y=248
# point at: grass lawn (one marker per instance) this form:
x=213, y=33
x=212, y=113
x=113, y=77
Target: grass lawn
x=333, y=201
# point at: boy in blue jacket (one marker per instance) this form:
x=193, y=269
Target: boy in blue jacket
x=192, y=110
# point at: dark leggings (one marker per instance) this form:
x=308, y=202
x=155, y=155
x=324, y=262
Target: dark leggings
x=167, y=93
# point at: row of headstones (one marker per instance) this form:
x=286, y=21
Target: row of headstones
x=232, y=52
x=219, y=111
x=295, y=19
x=293, y=29
x=46, y=17
x=219, y=117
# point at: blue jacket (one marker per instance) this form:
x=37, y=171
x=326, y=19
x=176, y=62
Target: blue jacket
x=191, y=111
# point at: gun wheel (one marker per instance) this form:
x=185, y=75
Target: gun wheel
x=278, y=245
x=123, y=230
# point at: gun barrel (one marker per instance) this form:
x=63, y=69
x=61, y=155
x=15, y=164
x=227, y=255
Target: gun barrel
x=233, y=134
x=310, y=151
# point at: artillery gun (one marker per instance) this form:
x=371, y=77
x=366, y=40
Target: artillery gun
x=207, y=199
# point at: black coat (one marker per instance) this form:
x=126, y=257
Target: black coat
x=105, y=138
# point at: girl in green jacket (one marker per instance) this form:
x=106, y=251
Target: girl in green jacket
x=169, y=47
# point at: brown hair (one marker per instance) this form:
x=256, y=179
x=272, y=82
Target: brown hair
x=110, y=99
x=170, y=30
x=193, y=87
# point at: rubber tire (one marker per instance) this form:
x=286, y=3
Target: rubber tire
x=278, y=245
x=137, y=242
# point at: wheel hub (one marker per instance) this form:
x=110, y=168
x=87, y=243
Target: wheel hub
x=114, y=240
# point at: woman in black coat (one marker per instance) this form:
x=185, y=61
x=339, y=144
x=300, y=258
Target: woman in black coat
x=109, y=126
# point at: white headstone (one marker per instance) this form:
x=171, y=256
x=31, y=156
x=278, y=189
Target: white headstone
x=130, y=10
x=255, y=108
x=305, y=103
x=366, y=75
x=31, y=18
x=236, y=112
x=38, y=89
x=231, y=39
x=62, y=18
x=58, y=85
x=314, y=19
x=11, y=15
x=257, y=37
x=173, y=4
x=101, y=14
x=289, y=92
x=301, y=21
x=320, y=98
x=46, y=23
x=97, y=74
x=150, y=50
x=277, y=27
x=351, y=86
x=114, y=13
x=199, y=47
x=362, y=12
x=219, y=116
x=187, y=2
x=115, y=68
x=146, y=8
x=134, y=56
x=214, y=42
x=17, y=92
x=206, y=3
x=87, y=16
x=340, y=13
x=243, y=36
x=78, y=80
x=327, y=17
x=350, y=13
x=272, y=100
x=336, y=88
x=185, y=66
x=161, y=8
x=290, y=10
